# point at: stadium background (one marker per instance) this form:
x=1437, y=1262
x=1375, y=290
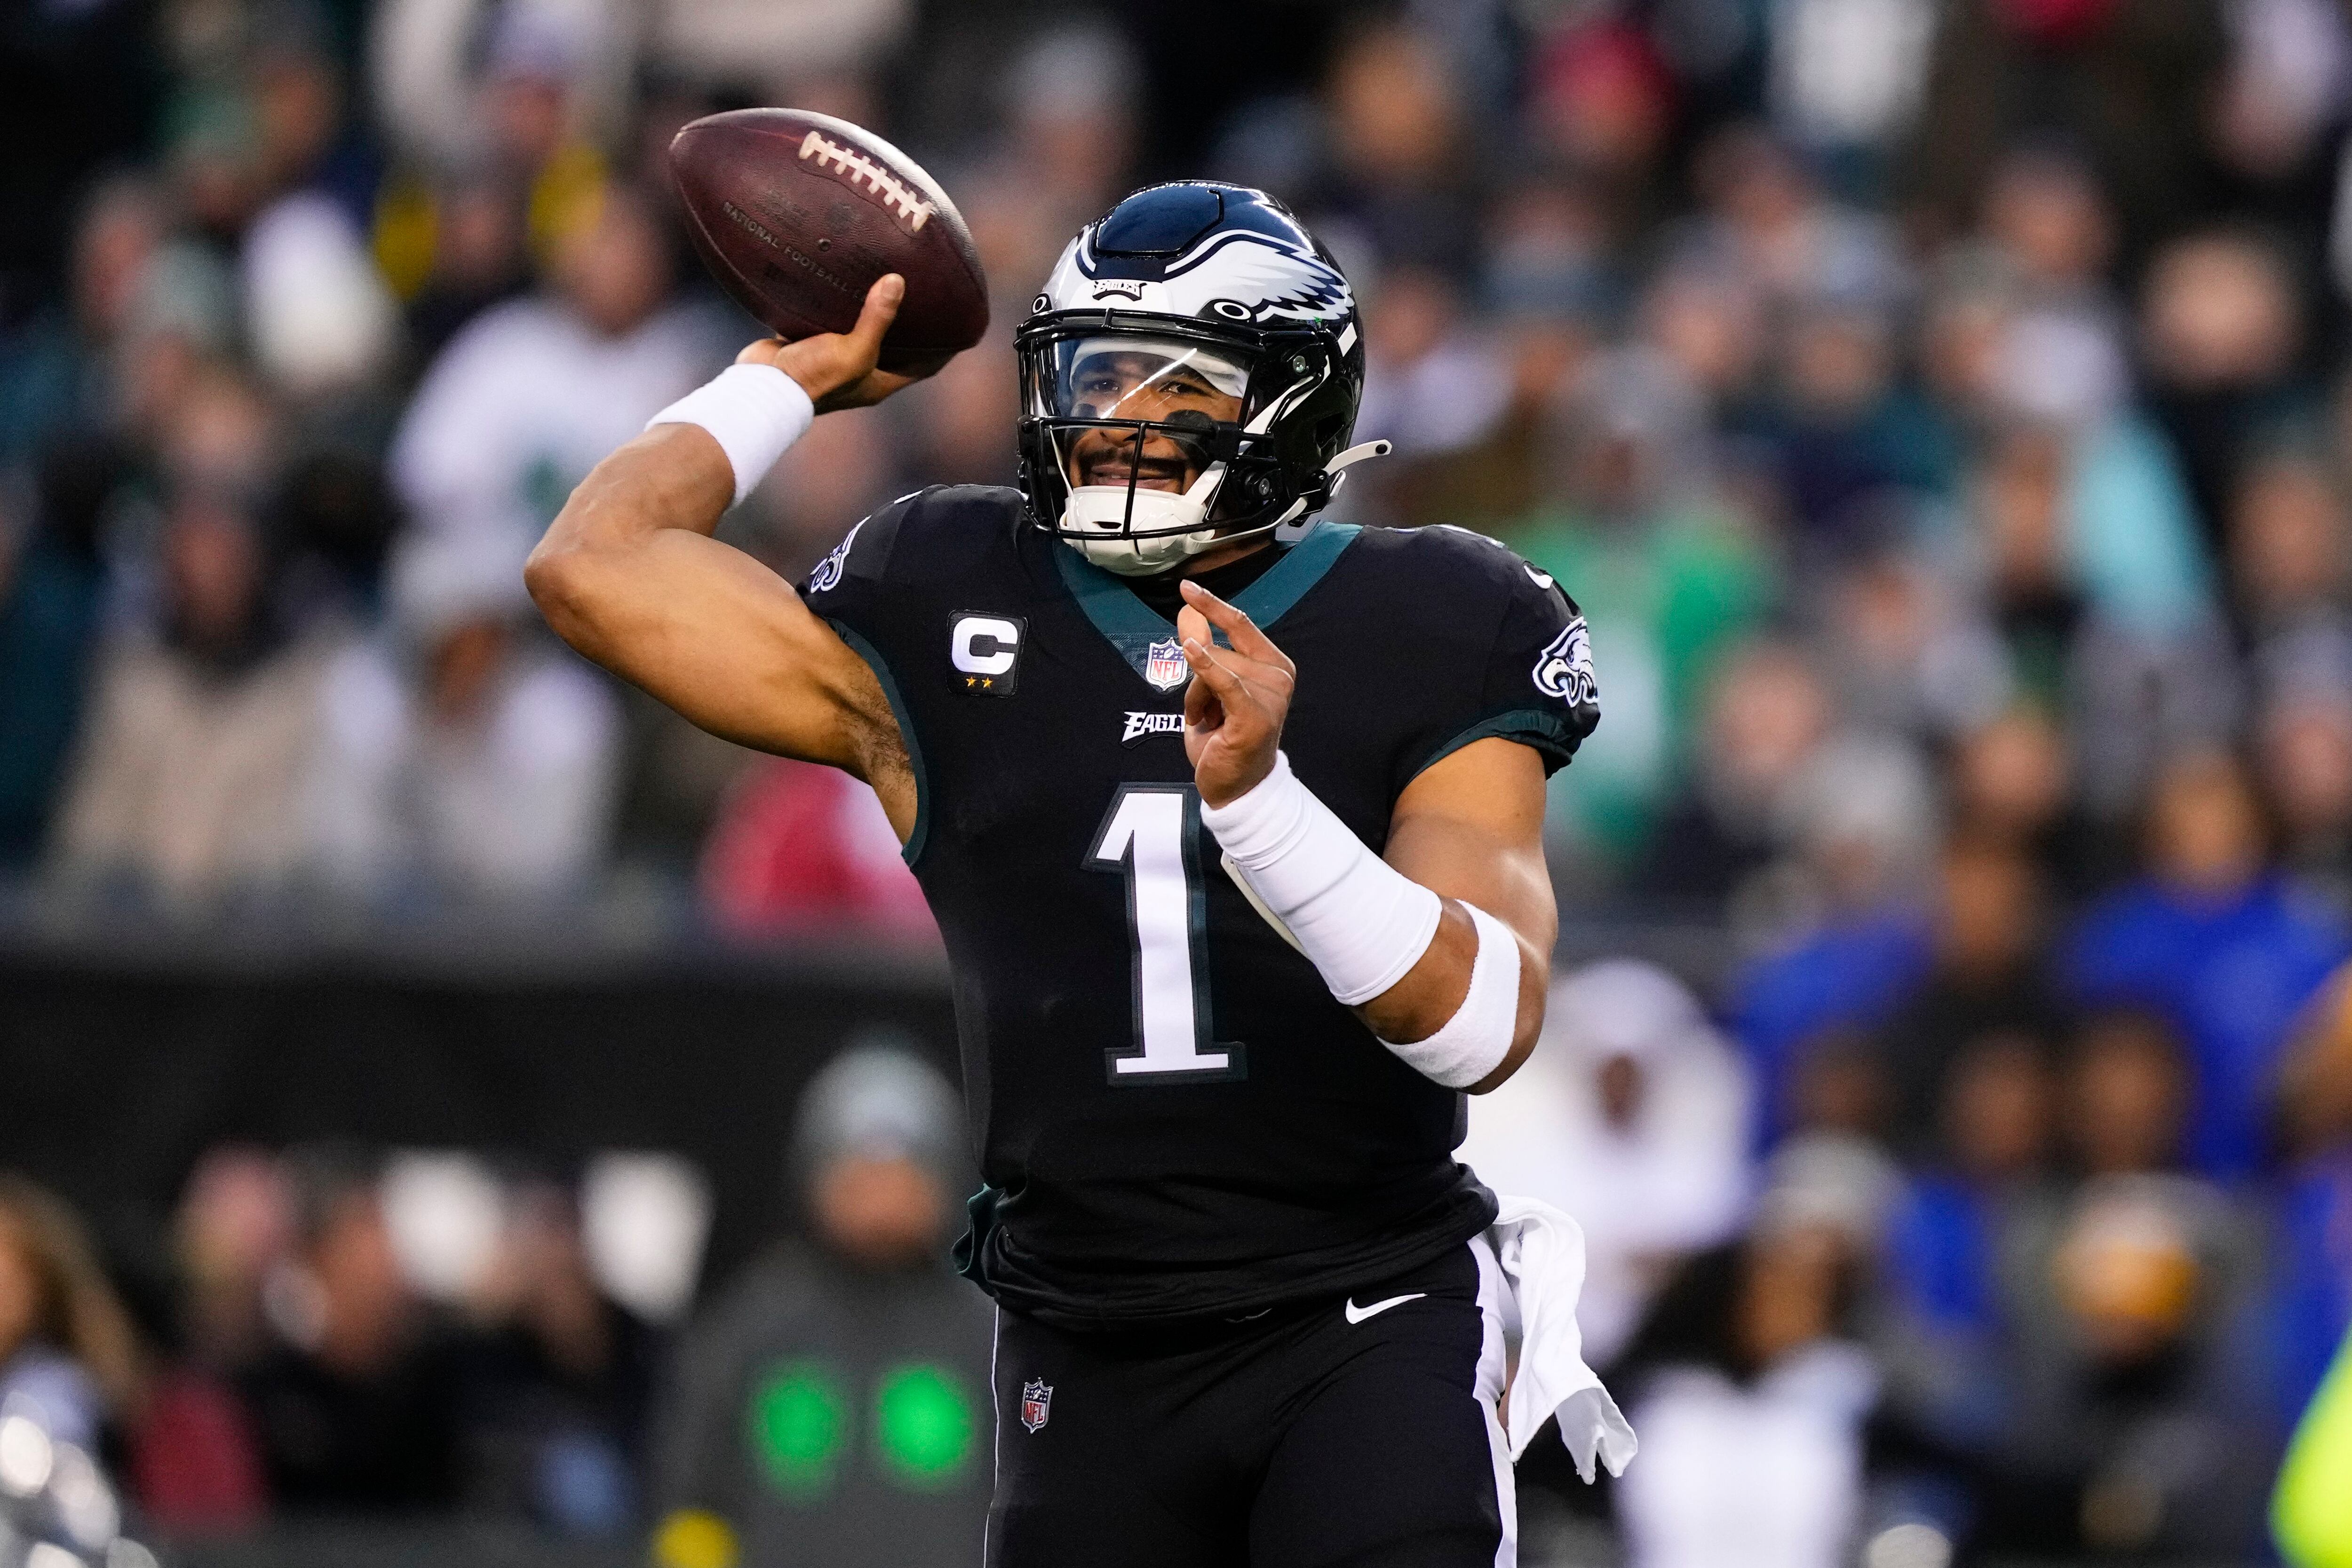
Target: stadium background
x=1937, y=406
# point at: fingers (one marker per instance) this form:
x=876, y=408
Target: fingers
x=1225, y=684
x=1192, y=626
x=1238, y=628
x=881, y=308
x=1202, y=708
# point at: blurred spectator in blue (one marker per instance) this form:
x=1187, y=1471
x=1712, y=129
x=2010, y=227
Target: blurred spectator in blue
x=1955, y=1240
x=464, y=756
x=533, y=393
x=2312, y=1279
x=1992, y=924
x=2223, y=947
x=833, y=1403
x=51, y=579
x=67, y=1348
x=1837, y=921
x=1631, y=1117
x=2135, y=1427
x=557, y=1395
x=357, y=1404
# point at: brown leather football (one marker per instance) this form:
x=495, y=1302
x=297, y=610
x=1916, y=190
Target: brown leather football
x=797, y=214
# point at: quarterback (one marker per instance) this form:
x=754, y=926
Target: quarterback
x=1231, y=819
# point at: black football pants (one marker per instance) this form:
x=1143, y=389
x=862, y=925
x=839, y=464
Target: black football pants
x=1354, y=1432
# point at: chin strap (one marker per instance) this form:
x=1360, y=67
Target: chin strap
x=1121, y=506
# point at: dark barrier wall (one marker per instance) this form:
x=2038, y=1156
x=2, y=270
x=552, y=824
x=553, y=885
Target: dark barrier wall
x=124, y=1052
x=118, y=1068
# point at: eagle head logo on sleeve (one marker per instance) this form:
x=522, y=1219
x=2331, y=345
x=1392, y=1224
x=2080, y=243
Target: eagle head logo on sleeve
x=1564, y=669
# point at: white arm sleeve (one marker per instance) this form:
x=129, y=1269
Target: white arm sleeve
x=1362, y=923
x=754, y=411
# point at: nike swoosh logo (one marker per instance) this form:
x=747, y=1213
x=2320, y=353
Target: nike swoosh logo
x=1356, y=1315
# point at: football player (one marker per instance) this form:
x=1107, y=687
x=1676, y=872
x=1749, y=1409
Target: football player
x=1232, y=820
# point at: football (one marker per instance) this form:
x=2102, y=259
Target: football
x=797, y=214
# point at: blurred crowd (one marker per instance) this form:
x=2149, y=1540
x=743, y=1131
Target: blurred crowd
x=1940, y=408
x=353, y=1336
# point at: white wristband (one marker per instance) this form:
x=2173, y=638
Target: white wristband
x=1476, y=1039
x=754, y=411
x=1360, y=921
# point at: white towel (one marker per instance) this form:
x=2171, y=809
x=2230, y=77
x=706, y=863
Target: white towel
x=1540, y=1252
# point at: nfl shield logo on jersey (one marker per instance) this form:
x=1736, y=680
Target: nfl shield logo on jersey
x=1164, y=665
x=1036, y=1402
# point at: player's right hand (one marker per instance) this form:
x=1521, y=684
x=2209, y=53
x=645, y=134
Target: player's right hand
x=839, y=370
x=1235, y=708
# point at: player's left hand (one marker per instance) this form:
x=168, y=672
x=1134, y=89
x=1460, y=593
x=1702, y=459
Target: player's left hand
x=1239, y=697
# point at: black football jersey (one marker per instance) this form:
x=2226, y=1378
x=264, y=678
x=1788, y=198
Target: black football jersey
x=1174, y=1118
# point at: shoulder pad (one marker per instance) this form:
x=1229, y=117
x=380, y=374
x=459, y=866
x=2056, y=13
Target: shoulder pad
x=931, y=526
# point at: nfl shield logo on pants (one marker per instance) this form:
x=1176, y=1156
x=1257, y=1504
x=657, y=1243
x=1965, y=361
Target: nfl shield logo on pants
x=1036, y=1402
x=1164, y=665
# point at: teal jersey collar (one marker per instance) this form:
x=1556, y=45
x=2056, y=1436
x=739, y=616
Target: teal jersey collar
x=1132, y=626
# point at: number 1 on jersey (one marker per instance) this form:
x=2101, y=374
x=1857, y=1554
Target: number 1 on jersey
x=1152, y=834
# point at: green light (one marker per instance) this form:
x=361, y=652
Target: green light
x=799, y=1421
x=923, y=1424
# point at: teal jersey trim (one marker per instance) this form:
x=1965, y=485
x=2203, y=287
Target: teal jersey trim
x=1551, y=736
x=913, y=849
x=1131, y=626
